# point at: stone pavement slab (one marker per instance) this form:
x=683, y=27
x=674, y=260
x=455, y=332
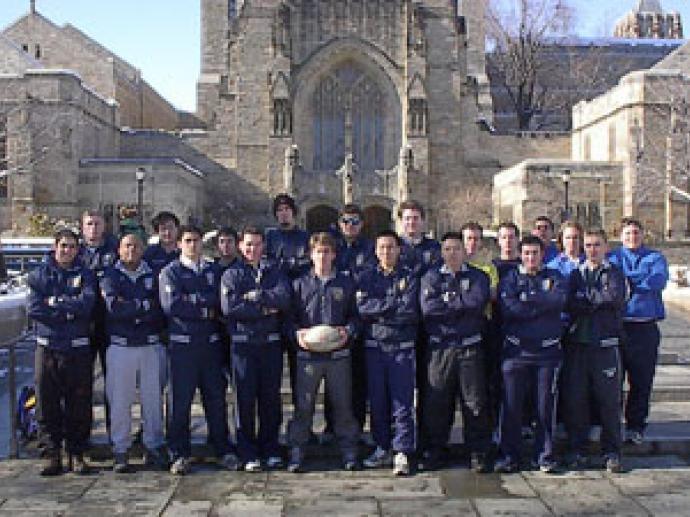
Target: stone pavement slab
x=318, y=507
x=434, y=507
x=671, y=505
x=511, y=508
x=250, y=507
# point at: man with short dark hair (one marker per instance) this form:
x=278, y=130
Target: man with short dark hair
x=591, y=367
x=167, y=227
x=647, y=272
x=531, y=299
x=255, y=298
x=418, y=251
x=189, y=296
x=62, y=294
x=454, y=296
x=544, y=229
x=226, y=245
x=323, y=296
x=388, y=304
x=508, y=241
x=134, y=321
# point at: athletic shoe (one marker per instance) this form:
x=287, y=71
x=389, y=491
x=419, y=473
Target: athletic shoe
x=253, y=466
x=275, y=462
x=229, y=462
x=379, y=458
x=120, y=465
x=506, y=466
x=401, y=465
x=180, y=467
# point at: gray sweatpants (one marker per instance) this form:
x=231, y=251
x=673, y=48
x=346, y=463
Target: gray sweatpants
x=125, y=365
x=338, y=376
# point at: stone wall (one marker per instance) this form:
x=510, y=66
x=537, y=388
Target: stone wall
x=47, y=135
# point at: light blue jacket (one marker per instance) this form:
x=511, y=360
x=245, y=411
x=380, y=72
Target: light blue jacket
x=647, y=273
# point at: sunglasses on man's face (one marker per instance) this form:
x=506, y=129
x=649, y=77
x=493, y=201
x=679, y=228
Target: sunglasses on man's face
x=354, y=221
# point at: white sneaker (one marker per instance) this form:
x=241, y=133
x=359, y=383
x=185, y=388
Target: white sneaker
x=401, y=466
x=379, y=458
x=274, y=462
x=180, y=467
x=252, y=466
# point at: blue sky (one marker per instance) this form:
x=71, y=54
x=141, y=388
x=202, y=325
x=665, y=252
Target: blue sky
x=161, y=37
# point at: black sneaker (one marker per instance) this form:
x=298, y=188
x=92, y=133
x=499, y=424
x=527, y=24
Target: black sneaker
x=430, y=460
x=157, y=458
x=479, y=463
x=121, y=466
x=549, y=467
x=51, y=465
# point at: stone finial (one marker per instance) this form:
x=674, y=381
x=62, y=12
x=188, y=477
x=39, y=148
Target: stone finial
x=291, y=168
x=32, y=6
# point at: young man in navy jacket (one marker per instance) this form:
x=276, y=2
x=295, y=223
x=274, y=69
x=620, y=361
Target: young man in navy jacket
x=647, y=273
x=189, y=295
x=167, y=227
x=591, y=367
x=388, y=305
x=62, y=294
x=453, y=300
x=255, y=298
x=531, y=299
x=323, y=296
x=134, y=321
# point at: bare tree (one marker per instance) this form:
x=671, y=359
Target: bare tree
x=520, y=34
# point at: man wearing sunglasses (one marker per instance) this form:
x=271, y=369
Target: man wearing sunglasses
x=354, y=254
x=544, y=229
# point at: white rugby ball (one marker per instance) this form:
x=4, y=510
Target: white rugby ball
x=322, y=338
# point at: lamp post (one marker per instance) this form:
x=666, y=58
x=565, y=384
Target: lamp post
x=140, y=175
x=565, y=176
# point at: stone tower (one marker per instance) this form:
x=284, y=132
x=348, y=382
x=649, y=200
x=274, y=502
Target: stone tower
x=344, y=86
x=648, y=20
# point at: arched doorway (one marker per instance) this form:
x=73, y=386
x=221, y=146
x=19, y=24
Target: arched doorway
x=321, y=218
x=376, y=219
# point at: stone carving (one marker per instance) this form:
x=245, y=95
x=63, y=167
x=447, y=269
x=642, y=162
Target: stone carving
x=405, y=166
x=291, y=168
x=347, y=174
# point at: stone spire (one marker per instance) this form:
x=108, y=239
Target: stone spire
x=32, y=6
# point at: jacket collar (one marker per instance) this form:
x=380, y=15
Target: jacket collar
x=447, y=271
x=523, y=270
x=142, y=270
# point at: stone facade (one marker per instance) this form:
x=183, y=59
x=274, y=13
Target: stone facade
x=169, y=184
x=51, y=120
x=648, y=20
x=385, y=95
x=68, y=48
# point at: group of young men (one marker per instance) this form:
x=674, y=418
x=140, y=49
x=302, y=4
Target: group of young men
x=409, y=315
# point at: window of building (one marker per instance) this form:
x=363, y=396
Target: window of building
x=37, y=51
x=588, y=147
x=25, y=47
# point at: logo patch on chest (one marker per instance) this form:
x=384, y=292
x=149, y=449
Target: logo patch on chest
x=338, y=294
x=76, y=282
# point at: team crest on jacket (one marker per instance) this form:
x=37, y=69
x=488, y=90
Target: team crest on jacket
x=402, y=284
x=76, y=282
x=148, y=283
x=427, y=256
x=210, y=277
x=338, y=294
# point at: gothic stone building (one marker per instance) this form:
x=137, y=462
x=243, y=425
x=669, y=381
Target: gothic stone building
x=368, y=101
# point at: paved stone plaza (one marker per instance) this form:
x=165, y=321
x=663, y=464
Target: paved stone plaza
x=652, y=486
